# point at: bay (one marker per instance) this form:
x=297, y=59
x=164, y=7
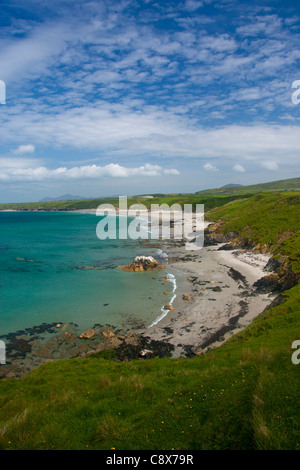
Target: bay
x=54, y=268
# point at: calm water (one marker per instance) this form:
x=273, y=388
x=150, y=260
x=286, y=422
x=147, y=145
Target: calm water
x=43, y=256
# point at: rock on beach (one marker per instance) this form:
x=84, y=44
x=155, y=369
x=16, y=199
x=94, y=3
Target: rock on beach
x=142, y=263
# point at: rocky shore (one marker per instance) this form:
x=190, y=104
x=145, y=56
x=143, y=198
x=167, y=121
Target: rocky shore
x=227, y=283
x=28, y=349
x=231, y=281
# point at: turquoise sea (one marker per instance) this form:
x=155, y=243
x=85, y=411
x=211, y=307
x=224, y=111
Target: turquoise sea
x=55, y=269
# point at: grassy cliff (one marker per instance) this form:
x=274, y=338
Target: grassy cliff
x=268, y=220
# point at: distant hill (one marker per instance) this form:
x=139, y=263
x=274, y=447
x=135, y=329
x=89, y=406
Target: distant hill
x=292, y=184
x=231, y=185
x=210, y=197
x=64, y=197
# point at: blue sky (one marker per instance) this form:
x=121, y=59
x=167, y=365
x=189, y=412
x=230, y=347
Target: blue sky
x=134, y=97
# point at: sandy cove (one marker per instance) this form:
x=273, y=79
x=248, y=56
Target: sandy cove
x=222, y=301
x=222, y=298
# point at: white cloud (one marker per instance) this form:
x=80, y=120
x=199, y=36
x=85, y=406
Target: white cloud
x=23, y=149
x=192, y=5
x=210, y=167
x=239, y=168
x=122, y=131
x=270, y=165
x=32, y=55
x=19, y=162
x=111, y=170
x=105, y=82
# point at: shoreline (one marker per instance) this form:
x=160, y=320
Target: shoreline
x=221, y=301
x=221, y=298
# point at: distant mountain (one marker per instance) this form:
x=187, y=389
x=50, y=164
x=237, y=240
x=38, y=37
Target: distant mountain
x=232, y=185
x=291, y=184
x=64, y=197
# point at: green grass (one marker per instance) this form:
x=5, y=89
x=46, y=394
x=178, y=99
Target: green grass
x=270, y=219
x=292, y=184
x=243, y=395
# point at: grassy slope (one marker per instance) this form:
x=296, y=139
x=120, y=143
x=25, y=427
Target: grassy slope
x=243, y=395
x=271, y=219
x=292, y=184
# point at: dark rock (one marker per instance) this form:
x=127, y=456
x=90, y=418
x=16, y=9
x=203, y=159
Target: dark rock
x=188, y=351
x=237, y=276
x=284, y=280
x=217, y=289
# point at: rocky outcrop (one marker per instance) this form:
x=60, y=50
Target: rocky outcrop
x=282, y=276
x=277, y=282
x=213, y=237
x=88, y=333
x=142, y=263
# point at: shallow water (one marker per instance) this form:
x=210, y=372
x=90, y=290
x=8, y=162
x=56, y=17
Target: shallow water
x=55, y=269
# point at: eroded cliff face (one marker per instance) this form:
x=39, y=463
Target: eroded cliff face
x=281, y=275
x=142, y=263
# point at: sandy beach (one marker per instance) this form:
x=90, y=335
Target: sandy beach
x=214, y=296
x=218, y=299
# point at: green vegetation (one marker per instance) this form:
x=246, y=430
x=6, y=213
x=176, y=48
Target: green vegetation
x=243, y=395
x=292, y=184
x=210, y=201
x=271, y=219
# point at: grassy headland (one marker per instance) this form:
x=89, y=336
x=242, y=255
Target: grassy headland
x=269, y=221
x=242, y=395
